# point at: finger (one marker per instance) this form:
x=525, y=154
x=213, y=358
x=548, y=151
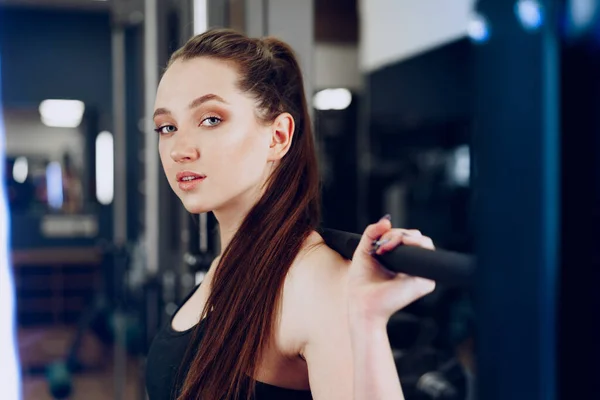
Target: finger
x=402, y=290
x=412, y=232
x=415, y=287
x=394, y=237
x=372, y=234
x=388, y=241
x=421, y=241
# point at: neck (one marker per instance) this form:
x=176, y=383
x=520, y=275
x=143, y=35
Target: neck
x=227, y=228
x=230, y=218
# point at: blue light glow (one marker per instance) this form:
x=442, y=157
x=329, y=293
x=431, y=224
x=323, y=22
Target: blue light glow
x=478, y=29
x=10, y=379
x=530, y=13
x=582, y=15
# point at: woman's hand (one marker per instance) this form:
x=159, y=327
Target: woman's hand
x=374, y=292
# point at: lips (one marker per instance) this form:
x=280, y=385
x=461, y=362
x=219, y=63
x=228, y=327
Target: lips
x=188, y=176
x=188, y=181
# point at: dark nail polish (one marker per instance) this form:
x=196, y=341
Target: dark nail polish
x=375, y=247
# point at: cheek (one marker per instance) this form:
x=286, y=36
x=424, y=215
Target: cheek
x=247, y=156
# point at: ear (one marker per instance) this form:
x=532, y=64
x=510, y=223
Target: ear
x=282, y=134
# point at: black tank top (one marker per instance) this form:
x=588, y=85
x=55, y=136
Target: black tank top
x=166, y=356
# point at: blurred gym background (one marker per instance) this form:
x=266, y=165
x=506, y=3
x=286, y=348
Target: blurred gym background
x=473, y=121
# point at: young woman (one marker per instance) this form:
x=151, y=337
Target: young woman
x=279, y=315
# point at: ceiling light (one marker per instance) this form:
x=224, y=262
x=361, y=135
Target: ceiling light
x=332, y=99
x=62, y=113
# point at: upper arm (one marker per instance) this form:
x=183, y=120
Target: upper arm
x=327, y=349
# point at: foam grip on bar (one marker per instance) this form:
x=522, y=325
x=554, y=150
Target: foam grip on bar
x=442, y=266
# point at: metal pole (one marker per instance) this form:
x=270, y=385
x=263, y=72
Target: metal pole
x=154, y=291
x=151, y=180
x=119, y=202
x=364, y=160
x=119, y=134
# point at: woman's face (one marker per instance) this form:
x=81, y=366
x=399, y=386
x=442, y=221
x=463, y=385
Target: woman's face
x=213, y=149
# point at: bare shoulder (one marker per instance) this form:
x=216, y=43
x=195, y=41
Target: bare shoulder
x=318, y=270
x=315, y=305
x=314, y=290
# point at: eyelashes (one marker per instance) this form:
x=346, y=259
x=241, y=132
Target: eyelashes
x=214, y=121
x=159, y=130
x=208, y=122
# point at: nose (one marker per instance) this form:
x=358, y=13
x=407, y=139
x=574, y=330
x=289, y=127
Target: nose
x=184, y=150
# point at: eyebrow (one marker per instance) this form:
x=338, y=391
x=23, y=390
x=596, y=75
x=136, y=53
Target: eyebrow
x=194, y=104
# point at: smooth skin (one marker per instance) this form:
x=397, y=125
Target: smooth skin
x=330, y=336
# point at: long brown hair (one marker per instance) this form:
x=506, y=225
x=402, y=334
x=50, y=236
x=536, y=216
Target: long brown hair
x=246, y=288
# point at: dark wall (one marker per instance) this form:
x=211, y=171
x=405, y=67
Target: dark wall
x=423, y=106
x=56, y=54
x=433, y=86
x=336, y=130
x=420, y=111
x=579, y=299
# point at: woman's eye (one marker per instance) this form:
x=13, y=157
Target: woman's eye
x=163, y=130
x=211, y=121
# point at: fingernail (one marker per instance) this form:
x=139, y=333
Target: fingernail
x=386, y=216
x=374, y=248
x=377, y=244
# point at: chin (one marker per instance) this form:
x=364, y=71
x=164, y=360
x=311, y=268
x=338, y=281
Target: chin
x=195, y=208
x=193, y=202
